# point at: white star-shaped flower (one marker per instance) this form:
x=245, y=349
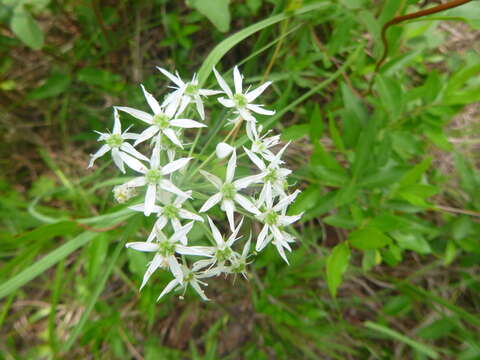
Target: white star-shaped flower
x=228, y=191
x=222, y=251
x=191, y=278
x=274, y=220
x=171, y=211
x=240, y=101
x=185, y=93
x=155, y=178
x=116, y=143
x=261, y=144
x=162, y=121
x=165, y=250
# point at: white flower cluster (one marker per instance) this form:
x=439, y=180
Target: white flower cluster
x=163, y=173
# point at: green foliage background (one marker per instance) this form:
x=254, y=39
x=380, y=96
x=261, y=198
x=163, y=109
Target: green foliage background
x=386, y=265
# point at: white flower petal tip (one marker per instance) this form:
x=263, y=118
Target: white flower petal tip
x=223, y=150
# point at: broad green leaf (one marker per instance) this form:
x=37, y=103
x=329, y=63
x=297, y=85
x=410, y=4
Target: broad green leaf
x=391, y=95
x=438, y=329
x=26, y=28
x=368, y=238
x=346, y=194
x=335, y=133
x=337, y=263
x=389, y=222
x=414, y=175
x=55, y=85
x=363, y=149
x=217, y=12
x=412, y=241
x=340, y=221
x=306, y=200
x=316, y=124
x=330, y=177
x=370, y=259
x=395, y=335
x=101, y=78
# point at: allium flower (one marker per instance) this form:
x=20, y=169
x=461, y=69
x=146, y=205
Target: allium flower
x=261, y=144
x=272, y=175
x=222, y=251
x=162, y=120
x=117, y=144
x=123, y=193
x=191, y=278
x=165, y=250
x=274, y=219
x=155, y=177
x=239, y=263
x=242, y=102
x=228, y=191
x=185, y=93
x=170, y=211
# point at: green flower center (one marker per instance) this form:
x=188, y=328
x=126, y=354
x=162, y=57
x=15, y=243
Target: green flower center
x=161, y=120
x=170, y=211
x=271, y=176
x=188, y=277
x=228, y=191
x=191, y=89
x=240, y=100
x=166, y=248
x=240, y=267
x=114, y=141
x=153, y=176
x=223, y=254
x=271, y=218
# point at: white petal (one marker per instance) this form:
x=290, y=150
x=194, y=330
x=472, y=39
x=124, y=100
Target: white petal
x=287, y=220
x=142, y=246
x=212, y=201
x=174, y=166
x=175, y=268
x=167, y=185
x=152, y=102
x=128, y=148
x=286, y=201
x=252, y=95
x=182, y=232
x=152, y=267
x=247, y=115
x=139, y=114
x=261, y=238
x=232, y=164
x=216, y=233
x=150, y=198
x=247, y=181
x=146, y=134
x=226, y=102
x=268, y=195
x=215, y=180
x=200, y=264
x=260, y=110
x=200, y=108
x=117, y=127
x=223, y=150
x=199, y=290
x=246, y=204
x=132, y=163
x=222, y=83
x=233, y=237
x=102, y=151
x=169, y=288
x=237, y=80
x=171, y=108
x=255, y=159
x=185, y=214
x=208, y=92
x=172, y=77
x=194, y=250
x=229, y=207
x=186, y=123
x=138, y=181
x=281, y=251
x=118, y=160
x=172, y=136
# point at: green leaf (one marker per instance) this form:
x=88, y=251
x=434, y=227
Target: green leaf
x=295, y=132
x=316, y=124
x=390, y=95
x=221, y=49
x=26, y=28
x=45, y=263
x=412, y=241
x=363, y=149
x=217, y=12
x=55, y=85
x=414, y=175
x=101, y=78
x=424, y=349
x=337, y=263
x=368, y=238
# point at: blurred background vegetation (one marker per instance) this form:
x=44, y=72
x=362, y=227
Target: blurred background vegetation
x=386, y=266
